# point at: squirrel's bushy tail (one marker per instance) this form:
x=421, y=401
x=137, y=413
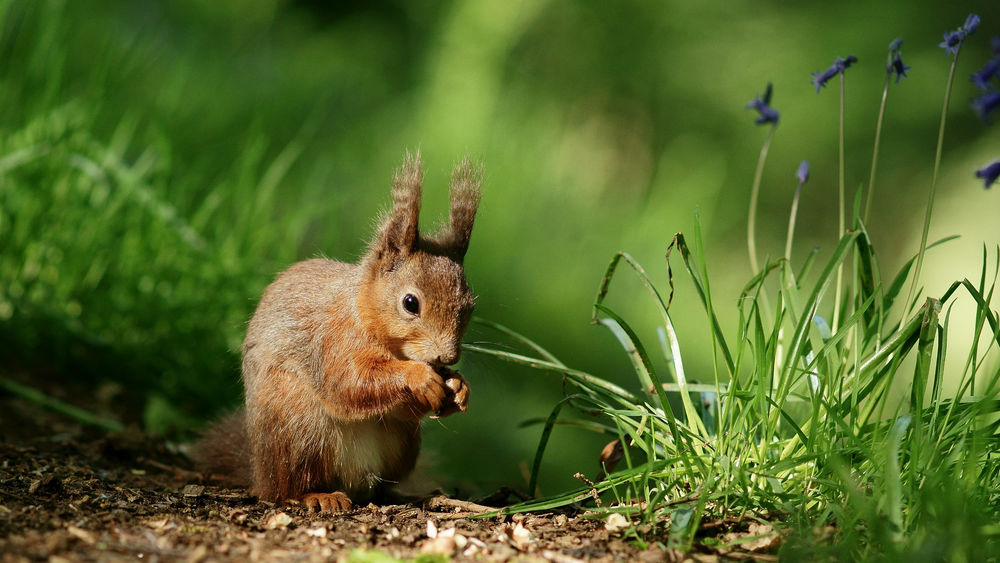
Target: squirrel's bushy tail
x=223, y=450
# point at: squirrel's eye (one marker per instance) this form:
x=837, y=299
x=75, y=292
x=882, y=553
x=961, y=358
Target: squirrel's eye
x=411, y=304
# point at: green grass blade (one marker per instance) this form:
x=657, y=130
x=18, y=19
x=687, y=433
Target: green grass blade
x=543, y=441
x=805, y=321
x=681, y=245
x=545, y=354
x=662, y=308
x=577, y=376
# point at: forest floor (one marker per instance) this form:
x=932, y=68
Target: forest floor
x=69, y=493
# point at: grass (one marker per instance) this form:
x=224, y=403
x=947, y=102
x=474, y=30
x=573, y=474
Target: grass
x=860, y=428
x=114, y=264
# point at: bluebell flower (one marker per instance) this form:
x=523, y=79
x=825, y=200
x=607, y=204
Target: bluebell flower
x=803, y=172
x=895, y=64
x=839, y=66
x=982, y=78
x=986, y=104
x=763, y=107
x=897, y=67
x=971, y=24
x=989, y=173
x=953, y=39
x=995, y=43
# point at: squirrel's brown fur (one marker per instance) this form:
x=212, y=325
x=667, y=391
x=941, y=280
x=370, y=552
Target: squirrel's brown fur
x=338, y=369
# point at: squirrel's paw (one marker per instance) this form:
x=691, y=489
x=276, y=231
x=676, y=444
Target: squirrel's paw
x=427, y=389
x=326, y=502
x=458, y=393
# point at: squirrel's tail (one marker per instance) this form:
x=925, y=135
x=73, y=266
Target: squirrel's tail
x=223, y=450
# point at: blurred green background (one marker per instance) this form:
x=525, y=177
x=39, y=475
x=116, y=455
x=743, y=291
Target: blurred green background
x=160, y=162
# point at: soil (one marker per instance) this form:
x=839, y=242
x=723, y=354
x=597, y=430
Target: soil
x=68, y=493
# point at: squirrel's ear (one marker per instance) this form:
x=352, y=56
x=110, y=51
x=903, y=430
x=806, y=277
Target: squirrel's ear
x=465, y=182
x=398, y=234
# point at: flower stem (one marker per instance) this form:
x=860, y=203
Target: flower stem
x=878, y=137
x=791, y=223
x=934, y=176
x=754, y=193
x=840, y=209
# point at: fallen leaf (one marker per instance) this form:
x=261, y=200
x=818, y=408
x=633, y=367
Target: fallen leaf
x=768, y=539
x=193, y=491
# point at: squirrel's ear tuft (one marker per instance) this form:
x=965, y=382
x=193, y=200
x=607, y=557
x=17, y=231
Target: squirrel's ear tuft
x=398, y=234
x=465, y=182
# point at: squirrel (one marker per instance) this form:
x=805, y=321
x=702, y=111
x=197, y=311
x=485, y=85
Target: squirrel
x=342, y=361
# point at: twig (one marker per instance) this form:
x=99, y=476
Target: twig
x=464, y=505
x=177, y=471
x=593, y=487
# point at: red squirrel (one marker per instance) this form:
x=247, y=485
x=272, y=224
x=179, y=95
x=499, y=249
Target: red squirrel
x=341, y=361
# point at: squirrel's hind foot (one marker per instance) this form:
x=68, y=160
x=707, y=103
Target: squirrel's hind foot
x=327, y=502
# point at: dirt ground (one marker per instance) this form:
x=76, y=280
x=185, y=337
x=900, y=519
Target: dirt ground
x=68, y=493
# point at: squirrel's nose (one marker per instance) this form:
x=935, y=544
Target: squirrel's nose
x=448, y=358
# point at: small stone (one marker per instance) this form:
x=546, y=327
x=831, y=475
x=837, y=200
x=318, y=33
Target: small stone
x=278, y=520
x=432, y=530
x=441, y=545
x=521, y=536
x=319, y=532
x=616, y=523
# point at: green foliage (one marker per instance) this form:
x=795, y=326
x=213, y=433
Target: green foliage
x=806, y=427
x=862, y=428
x=109, y=267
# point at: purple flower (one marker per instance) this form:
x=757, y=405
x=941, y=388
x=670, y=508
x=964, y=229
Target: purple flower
x=971, y=24
x=838, y=67
x=953, y=39
x=986, y=104
x=995, y=43
x=982, y=78
x=763, y=107
x=897, y=67
x=803, y=172
x=895, y=64
x=989, y=173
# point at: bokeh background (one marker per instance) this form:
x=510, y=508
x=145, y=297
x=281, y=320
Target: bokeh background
x=160, y=162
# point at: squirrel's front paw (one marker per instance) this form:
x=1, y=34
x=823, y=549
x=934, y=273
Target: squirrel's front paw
x=426, y=389
x=458, y=393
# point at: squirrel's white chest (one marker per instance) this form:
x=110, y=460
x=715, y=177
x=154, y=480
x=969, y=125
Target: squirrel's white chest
x=361, y=453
